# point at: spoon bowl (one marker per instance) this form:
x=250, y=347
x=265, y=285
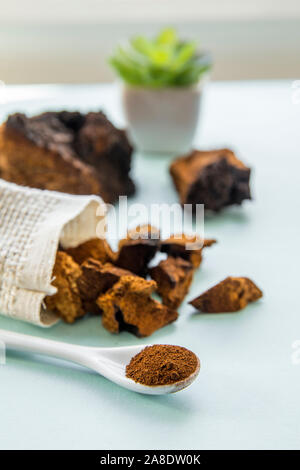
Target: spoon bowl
x=109, y=362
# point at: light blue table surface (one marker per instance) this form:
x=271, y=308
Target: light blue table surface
x=248, y=391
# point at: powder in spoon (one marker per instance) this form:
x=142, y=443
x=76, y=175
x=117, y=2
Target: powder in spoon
x=162, y=364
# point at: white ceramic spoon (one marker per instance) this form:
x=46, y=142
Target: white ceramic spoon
x=109, y=362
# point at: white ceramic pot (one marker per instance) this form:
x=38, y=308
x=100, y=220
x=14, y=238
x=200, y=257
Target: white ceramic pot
x=162, y=120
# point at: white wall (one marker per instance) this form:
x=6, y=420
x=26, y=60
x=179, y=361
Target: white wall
x=53, y=41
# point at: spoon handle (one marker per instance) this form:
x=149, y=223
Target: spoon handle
x=48, y=347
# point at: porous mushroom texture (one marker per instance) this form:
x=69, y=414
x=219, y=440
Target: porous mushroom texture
x=230, y=295
x=67, y=151
x=128, y=305
x=97, y=248
x=66, y=302
x=162, y=364
x=215, y=178
x=188, y=247
x=138, y=249
x=173, y=277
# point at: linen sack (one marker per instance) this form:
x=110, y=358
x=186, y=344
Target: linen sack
x=33, y=223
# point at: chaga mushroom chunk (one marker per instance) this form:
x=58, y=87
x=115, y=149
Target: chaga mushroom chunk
x=138, y=249
x=67, y=151
x=173, y=277
x=66, y=302
x=145, y=231
x=107, y=149
x=96, y=248
x=128, y=305
x=230, y=295
x=214, y=178
x=96, y=278
x=186, y=247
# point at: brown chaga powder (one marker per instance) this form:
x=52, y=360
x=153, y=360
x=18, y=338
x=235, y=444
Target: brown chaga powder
x=162, y=364
x=230, y=295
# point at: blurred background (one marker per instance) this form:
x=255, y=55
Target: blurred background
x=52, y=41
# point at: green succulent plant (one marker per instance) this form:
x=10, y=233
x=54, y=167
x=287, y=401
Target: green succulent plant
x=165, y=61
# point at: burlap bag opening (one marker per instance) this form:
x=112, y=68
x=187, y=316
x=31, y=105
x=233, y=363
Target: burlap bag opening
x=32, y=225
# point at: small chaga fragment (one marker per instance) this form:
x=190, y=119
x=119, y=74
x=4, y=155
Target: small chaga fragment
x=173, y=277
x=97, y=248
x=39, y=154
x=186, y=247
x=107, y=149
x=96, y=278
x=230, y=295
x=66, y=302
x=138, y=249
x=162, y=364
x=214, y=178
x=128, y=305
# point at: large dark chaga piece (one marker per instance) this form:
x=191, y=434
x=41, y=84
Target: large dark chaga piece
x=214, y=178
x=107, y=149
x=95, y=279
x=128, y=305
x=66, y=151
